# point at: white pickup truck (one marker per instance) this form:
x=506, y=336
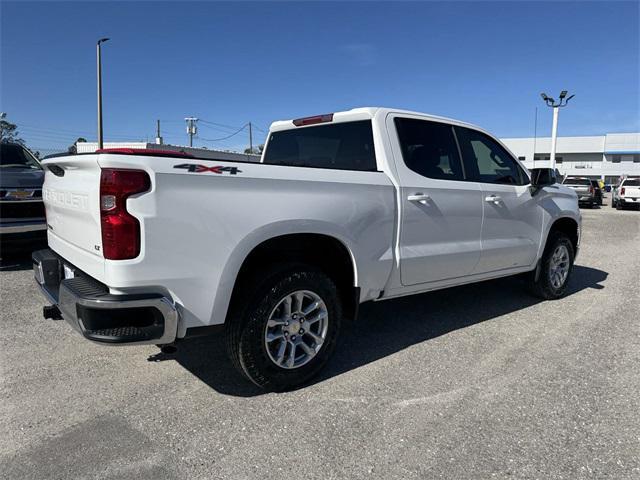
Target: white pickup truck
x=151, y=247
x=626, y=194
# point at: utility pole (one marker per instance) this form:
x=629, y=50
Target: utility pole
x=192, y=128
x=554, y=129
x=99, y=62
x=158, y=137
x=250, y=139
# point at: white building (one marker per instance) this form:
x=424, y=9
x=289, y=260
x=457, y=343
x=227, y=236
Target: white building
x=605, y=157
x=90, y=147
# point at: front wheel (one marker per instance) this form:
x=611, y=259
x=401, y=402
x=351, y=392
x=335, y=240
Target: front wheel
x=555, y=268
x=288, y=328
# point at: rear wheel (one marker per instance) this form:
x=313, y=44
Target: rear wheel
x=619, y=205
x=555, y=268
x=287, y=329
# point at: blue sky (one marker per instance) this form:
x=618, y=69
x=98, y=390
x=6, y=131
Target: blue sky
x=230, y=63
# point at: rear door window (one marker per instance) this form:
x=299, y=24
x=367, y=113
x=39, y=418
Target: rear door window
x=341, y=146
x=429, y=148
x=486, y=161
x=631, y=182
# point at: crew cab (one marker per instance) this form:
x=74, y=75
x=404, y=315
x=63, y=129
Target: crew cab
x=148, y=247
x=627, y=194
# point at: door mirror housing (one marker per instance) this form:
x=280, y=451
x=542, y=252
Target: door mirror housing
x=542, y=177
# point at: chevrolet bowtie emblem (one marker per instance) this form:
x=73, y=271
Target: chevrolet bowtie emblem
x=18, y=194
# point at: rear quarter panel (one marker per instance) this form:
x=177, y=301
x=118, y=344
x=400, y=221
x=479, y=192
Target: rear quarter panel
x=198, y=228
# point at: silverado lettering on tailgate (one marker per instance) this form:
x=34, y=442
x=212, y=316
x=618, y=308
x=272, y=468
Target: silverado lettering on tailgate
x=196, y=168
x=72, y=200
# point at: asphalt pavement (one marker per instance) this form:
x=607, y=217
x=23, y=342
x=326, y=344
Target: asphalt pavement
x=476, y=382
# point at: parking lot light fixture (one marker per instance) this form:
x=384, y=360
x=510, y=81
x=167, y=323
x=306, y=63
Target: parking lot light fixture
x=99, y=65
x=563, y=100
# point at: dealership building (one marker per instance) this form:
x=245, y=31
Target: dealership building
x=606, y=157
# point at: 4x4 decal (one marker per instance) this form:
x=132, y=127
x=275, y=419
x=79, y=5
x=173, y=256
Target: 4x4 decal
x=196, y=168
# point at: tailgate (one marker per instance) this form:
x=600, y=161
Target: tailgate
x=633, y=192
x=581, y=190
x=71, y=194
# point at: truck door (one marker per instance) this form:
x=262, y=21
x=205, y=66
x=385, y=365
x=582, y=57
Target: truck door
x=512, y=225
x=440, y=212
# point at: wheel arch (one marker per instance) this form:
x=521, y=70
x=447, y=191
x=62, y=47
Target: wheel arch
x=570, y=227
x=322, y=247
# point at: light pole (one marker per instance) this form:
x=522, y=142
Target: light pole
x=99, y=61
x=554, y=129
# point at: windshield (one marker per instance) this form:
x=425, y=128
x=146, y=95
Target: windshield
x=631, y=182
x=16, y=156
x=577, y=181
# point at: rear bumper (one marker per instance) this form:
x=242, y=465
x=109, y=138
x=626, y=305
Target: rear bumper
x=99, y=316
x=635, y=201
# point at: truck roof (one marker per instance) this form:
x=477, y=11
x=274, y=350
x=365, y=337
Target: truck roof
x=366, y=113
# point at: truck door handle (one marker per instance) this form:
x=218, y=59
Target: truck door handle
x=493, y=199
x=419, y=197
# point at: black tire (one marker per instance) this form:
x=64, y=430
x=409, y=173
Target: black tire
x=619, y=205
x=247, y=324
x=613, y=203
x=543, y=287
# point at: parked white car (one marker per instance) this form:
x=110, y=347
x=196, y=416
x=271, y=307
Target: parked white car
x=344, y=208
x=627, y=194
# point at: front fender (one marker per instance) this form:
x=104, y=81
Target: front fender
x=557, y=202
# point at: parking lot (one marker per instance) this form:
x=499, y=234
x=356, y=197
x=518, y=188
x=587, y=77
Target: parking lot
x=481, y=381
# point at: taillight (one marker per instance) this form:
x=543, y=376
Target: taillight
x=120, y=230
x=622, y=191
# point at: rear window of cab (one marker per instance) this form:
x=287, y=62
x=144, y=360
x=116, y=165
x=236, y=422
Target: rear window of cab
x=340, y=146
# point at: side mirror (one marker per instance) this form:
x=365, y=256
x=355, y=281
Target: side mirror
x=541, y=177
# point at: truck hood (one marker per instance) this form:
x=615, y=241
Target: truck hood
x=18, y=177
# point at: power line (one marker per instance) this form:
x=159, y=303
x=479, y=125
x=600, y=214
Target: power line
x=64, y=131
x=219, y=129
x=258, y=128
x=230, y=127
x=224, y=138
